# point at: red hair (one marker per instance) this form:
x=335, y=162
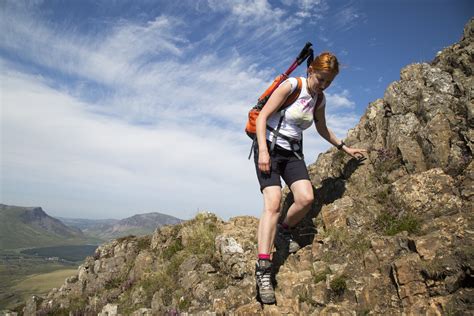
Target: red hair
x=325, y=62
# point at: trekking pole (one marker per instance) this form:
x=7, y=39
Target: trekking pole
x=305, y=53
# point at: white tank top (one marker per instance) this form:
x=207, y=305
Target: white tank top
x=297, y=117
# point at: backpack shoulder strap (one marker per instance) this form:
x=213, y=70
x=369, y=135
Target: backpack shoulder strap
x=294, y=95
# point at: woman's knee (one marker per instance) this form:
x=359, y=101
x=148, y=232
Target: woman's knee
x=304, y=198
x=302, y=193
x=273, y=208
x=272, y=198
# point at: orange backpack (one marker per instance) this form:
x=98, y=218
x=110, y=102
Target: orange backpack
x=251, y=128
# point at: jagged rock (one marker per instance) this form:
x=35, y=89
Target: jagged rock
x=157, y=304
x=253, y=308
x=32, y=305
x=408, y=279
x=333, y=309
x=426, y=246
x=207, y=268
x=334, y=214
x=190, y=280
x=428, y=191
x=467, y=183
x=162, y=236
x=138, y=296
x=232, y=256
x=109, y=310
x=72, y=279
x=143, y=312
x=371, y=262
x=202, y=291
x=337, y=268
x=142, y=263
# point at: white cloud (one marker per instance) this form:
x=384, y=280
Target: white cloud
x=260, y=20
x=341, y=123
x=143, y=92
x=343, y=53
x=347, y=18
x=131, y=42
x=314, y=9
x=323, y=38
x=247, y=12
x=108, y=58
x=339, y=100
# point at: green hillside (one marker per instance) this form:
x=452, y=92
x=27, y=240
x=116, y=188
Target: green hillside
x=27, y=227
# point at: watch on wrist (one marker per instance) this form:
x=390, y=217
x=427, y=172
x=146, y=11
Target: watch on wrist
x=340, y=145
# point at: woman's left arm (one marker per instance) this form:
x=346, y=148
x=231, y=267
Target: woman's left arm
x=327, y=134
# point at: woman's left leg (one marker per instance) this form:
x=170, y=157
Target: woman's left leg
x=303, y=198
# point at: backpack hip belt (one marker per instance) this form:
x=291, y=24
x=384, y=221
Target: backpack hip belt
x=296, y=145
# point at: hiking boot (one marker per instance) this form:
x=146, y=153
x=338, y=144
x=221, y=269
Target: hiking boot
x=263, y=275
x=284, y=240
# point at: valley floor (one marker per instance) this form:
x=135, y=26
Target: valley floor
x=23, y=275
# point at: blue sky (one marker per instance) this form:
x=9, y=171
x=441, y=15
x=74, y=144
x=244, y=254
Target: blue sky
x=111, y=108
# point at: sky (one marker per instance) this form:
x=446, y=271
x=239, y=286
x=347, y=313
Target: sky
x=111, y=108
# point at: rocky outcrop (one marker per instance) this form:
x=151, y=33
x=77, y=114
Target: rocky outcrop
x=390, y=235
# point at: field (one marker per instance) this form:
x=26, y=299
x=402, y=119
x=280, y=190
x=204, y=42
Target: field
x=22, y=275
x=68, y=253
x=42, y=283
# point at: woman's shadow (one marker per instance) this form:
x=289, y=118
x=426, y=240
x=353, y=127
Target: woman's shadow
x=331, y=189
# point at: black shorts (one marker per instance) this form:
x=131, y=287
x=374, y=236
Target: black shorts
x=284, y=164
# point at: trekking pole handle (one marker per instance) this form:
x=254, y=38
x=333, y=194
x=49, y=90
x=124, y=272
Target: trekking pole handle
x=305, y=52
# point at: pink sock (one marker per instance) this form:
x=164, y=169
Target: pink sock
x=264, y=256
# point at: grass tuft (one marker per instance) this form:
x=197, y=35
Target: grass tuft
x=144, y=243
x=338, y=284
x=172, y=249
x=387, y=161
x=321, y=276
x=392, y=225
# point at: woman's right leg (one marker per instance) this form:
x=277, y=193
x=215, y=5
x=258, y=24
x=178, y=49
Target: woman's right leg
x=269, y=219
x=265, y=235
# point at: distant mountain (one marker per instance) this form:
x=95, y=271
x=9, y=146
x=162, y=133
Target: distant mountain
x=23, y=227
x=85, y=224
x=138, y=225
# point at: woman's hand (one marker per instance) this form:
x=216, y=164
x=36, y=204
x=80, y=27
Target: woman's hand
x=355, y=152
x=264, y=161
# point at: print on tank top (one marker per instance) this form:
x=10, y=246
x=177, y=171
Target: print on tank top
x=301, y=113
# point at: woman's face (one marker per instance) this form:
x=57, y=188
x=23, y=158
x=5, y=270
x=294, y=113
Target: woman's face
x=318, y=81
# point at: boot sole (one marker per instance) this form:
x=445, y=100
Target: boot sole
x=269, y=300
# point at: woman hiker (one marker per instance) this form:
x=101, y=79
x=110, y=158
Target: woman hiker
x=278, y=153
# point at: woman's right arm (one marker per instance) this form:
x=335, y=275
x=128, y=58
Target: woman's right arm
x=276, y=100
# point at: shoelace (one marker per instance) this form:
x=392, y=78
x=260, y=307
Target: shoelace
x=264, y=278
